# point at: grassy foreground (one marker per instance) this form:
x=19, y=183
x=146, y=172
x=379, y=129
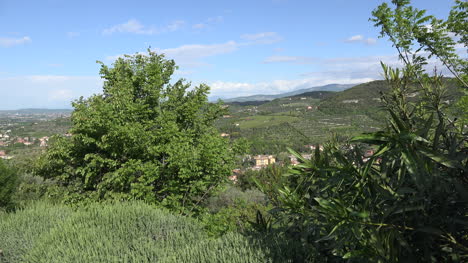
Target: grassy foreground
x=120, y=232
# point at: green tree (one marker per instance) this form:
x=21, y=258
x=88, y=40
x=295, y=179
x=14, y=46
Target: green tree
x=418, y=37
x=143, y=137
x=8, y=184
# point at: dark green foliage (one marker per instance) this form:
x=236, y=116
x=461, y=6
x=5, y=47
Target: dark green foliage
x=233, y=210
x=232, y=195
x=32, y=188
x=8, y=184
x=267, y=178
x=458, y=23
x=407, y=202
x=143, y=138
x=121, y=232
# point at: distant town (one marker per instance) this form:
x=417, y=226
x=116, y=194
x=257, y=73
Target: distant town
x=23, y=130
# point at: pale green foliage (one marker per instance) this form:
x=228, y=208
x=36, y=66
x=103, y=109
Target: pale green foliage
x=143, y=137
x=458, y=23
x=411, y=32
x=120, y=232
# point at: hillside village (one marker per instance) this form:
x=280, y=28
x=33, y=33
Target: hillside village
x=7, y=141
x=24, y=130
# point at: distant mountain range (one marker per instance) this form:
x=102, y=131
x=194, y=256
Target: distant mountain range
x=263, y=97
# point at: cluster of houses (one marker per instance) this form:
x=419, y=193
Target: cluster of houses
x=3, y=155
x=262, y=161
x=25, y=140
x=254, y=109
x=6, y=139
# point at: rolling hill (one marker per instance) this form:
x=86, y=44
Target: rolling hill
x=313, y=117
x=365, y=98
x=263, y=97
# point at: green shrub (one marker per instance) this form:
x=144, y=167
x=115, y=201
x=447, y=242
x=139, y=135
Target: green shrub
x=233, y=195
x=30, y=189
x=120, y=232
x=8, y=183
x=233, y=210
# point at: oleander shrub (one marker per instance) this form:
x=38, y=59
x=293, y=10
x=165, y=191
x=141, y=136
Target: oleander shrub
x=408, y=201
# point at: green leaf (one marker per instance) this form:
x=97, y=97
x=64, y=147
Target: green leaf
x=439, y=158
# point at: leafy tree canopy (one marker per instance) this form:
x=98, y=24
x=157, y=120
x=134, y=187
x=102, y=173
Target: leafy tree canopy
x=144, y=137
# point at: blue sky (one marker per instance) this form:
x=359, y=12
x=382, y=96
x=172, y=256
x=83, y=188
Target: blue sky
x=48, y=48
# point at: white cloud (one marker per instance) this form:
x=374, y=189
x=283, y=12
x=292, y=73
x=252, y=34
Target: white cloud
x=356, y=38
x=353, y=67
x=73, y=34
x=262, y=38
x=365, y=67
x=341, y=70
x=199, y=26
x=131, y=26
x=176, y=25
x=361, y=39
x=135, y=27
x=208, y=23
x=199, y=51
x=10, y=41
x=216, y=19
x=235, y=89
x=460, y=47
x=184, y=72
x=60, y=95
x=370, y=41
x=289, y=59
x=192, y=55
x=47, y=78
